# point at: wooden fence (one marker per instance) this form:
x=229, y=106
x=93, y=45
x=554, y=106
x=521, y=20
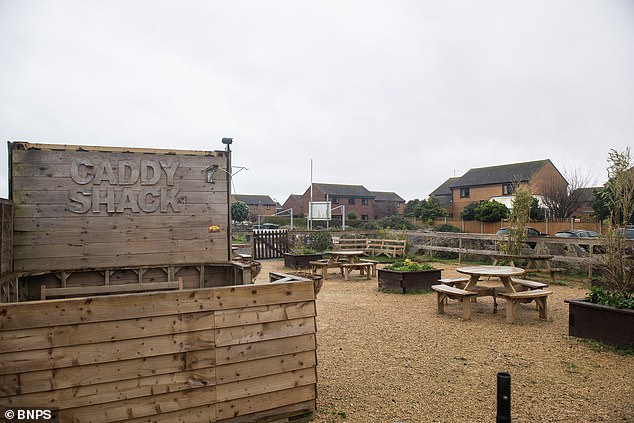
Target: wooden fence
x=221, y=354
x=550, y=227
x=6, y=236
x=270, y=243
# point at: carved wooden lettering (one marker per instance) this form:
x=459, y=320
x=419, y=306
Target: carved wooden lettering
x=127, y=185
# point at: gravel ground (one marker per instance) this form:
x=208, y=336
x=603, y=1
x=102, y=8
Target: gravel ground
x=386, y=357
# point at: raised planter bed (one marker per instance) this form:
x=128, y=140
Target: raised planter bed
x=395, y=280
x=602, y=323
x=300, y=261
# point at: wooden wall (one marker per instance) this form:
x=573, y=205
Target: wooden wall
x=6, y=236
x=220, y=354
x=95, y=207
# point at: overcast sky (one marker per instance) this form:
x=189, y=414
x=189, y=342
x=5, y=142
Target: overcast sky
x=393, y=95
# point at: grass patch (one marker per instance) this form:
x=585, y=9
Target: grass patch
x=603, y=347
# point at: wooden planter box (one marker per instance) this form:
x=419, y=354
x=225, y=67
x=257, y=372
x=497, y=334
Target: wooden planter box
x=300, y=261
x=395, y=280
x=602, y=323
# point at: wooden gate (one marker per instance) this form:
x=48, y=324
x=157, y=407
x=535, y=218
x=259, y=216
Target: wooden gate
x=270, y=243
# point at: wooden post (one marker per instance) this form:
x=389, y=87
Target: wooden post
x=459, y=250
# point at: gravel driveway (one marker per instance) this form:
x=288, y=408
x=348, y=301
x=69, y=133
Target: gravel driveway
x=390, y=358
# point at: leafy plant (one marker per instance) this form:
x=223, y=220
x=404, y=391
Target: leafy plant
x=239, y=211
x=320, y=240
x=518, y=220
x=491, y=211
x=618, y=196
x=408, y=265
x=446, y=228
x=618, y=299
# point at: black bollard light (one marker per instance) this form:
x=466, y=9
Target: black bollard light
x=504, y=398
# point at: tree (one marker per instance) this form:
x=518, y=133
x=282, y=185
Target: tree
x=536, y=212
x=468, y=213
x=426, y=210
x=239, y=211
x=430, y=209
x=412, y=208
x=618, y=196
x=562, y=200
x=518, y=220
x=491, y=211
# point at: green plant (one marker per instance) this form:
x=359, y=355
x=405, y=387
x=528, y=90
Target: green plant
x=239, y=211
x=320, y=240
x=301, y=250
x=518, y=220
x=491, y=211
x=408, y=265
x=352, y=215
x=618, y=299
x=446, y=228
x=618, y=196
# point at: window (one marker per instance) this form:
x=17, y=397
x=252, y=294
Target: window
x=351, y=200
x=268, y=207
x=335, y=200
x=364, y=201
x=398, y=205
x=365, y=217
x=464, y=192
x=507, y=189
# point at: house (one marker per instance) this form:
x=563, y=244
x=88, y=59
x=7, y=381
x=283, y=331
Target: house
x=443, y=194
x=259, y=205
x=482, y=184
x=294, y=201
x=586, y=198
x=387, y=204
x=354, y=199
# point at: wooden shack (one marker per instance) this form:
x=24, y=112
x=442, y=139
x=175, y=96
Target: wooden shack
x=147, y=321
x=103, y=215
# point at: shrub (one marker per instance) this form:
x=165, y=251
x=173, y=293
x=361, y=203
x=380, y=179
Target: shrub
x=320, y=240
x=600, y=295
x=446, y=228
x=408, y=265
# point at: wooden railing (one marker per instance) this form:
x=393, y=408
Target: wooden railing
x=374, y=247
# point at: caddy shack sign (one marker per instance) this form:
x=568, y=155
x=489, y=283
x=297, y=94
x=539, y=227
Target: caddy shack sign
x=140, y=186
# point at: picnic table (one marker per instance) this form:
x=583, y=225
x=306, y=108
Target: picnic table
x=515, y=291
x=346, y=261
x=535, y=263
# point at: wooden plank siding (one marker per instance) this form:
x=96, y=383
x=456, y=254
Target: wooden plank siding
x=83, y=207
x=6, y=237
x=219, y=354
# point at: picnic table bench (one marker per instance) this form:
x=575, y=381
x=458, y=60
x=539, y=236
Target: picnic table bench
x=445, y=292
x=536, y=263
x=514, y=299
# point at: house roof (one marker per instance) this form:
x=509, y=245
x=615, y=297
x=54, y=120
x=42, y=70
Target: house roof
x=337, y=190
x=254, y=200
x=514, y=172
x=444, y=188
x=386, y=196
x=587, y=194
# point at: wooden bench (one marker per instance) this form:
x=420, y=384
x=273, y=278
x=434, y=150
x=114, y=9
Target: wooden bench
x=86, y=291
x=445, y=291
x=375, y=247
x=454, y=281
x=322, y=265
x=525, y=284
x=346, y=268
x=514, y=299
x=373, y=263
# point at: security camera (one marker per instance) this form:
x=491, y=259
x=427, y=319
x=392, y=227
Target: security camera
x=227, y=141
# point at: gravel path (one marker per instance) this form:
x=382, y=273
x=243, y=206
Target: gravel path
x=390, y=358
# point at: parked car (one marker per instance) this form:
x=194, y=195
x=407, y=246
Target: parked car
x=531, y=232
x=628, y=231
x=578, y=233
